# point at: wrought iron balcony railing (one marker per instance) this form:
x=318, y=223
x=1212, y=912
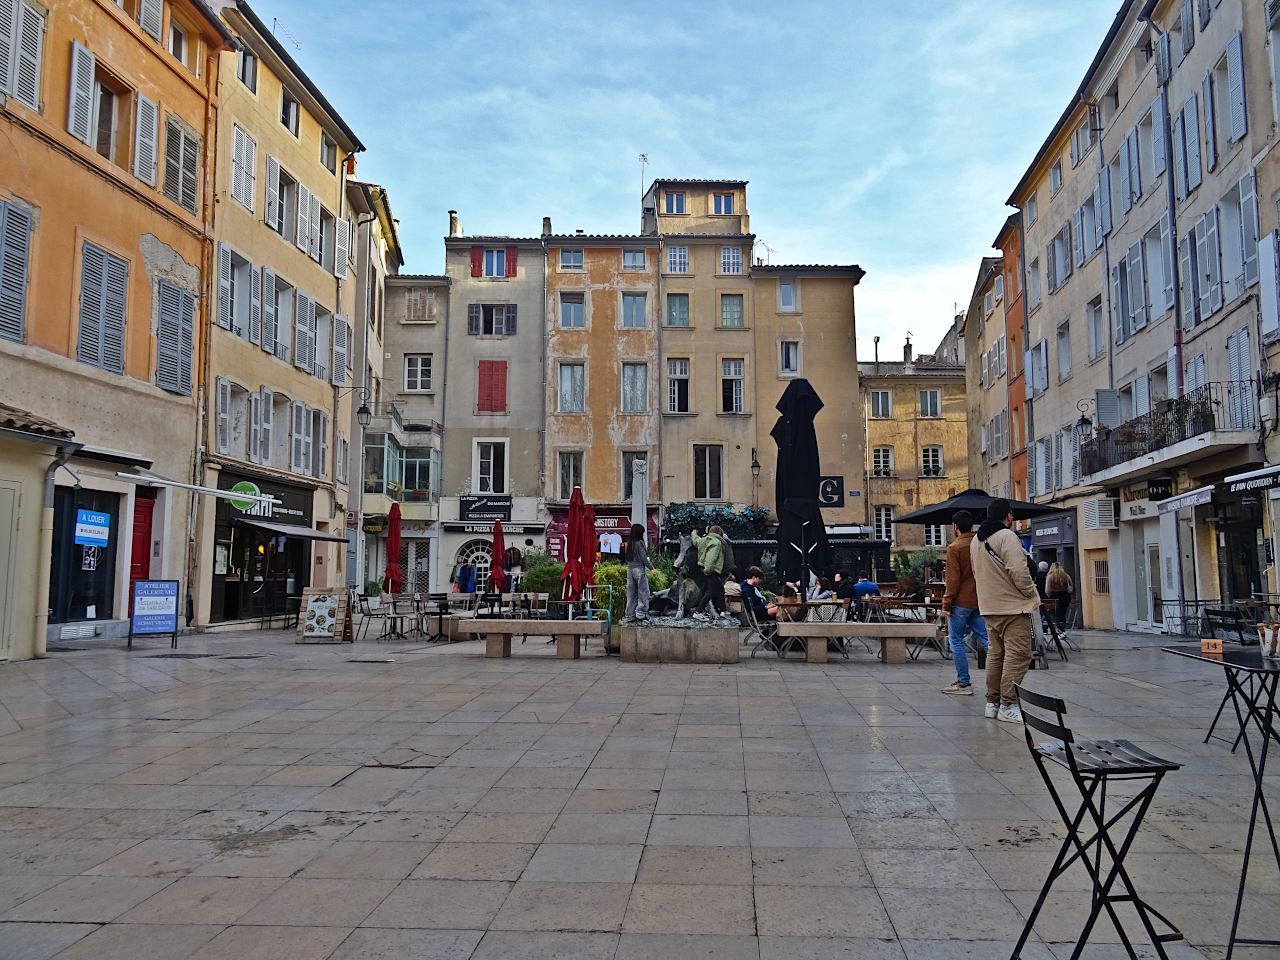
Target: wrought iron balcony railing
x=1214, y=406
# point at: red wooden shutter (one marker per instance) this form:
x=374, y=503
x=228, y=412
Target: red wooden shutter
x=492, y=387
x=511, y=261
x=477, y=261
x=484, y=394
x=500, y=386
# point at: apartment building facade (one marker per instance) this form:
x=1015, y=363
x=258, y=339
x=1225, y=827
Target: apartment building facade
x=987, y=380
x=105, y=210
x=279, y=347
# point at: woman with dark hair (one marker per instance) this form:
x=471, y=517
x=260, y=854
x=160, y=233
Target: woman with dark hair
x=638, y=564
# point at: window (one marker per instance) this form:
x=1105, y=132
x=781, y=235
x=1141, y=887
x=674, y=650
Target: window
x=633, y=313
x=786, y=297
x=419, y=305
x=1101, y=576
x=328, y=153
x=1097, y=328
x=490, y=466
x=324, y=252
x=175, y=338
x=491, y=386
x=571, y=311
x=491, y=319
x=730, y=259
x=289, y=113
x=418, y=462
x=277, y=315
x=235, y=293
x=789, y=358
x=677, y=309
x=110, y=117
x=181, y=165
x=22, y=47
x=1064, y=350
x=417, y=372
x=495, y=263
x=15, y=248
x=931, y=461
x=244, y=153
x=732, y=386
x=629, y=457
x=635, y=387
x=677, y=260
x=1238, y=238
x=884, y=523
x=570, y=259
x=674, y=202
x=1081, y=140
x=1031, y=209
x=882, y=461
x=731, y=310
x=1187, y=171
x=634, y=260
x=281, y=200
x=722, y=204
x=569, y=472
x=930, y=403
x=573, y=388
x=1055, y=178
x=988, y=302
x=247, y=68
x=935, y=535
x=708, y=471
x=1058, y=258
x=1033, y=283
x=104, y=280
x=881, y=405
x=178, y=41
x=1088, y=237
x=678, y=386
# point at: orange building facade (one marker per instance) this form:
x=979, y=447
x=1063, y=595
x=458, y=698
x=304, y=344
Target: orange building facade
x=1009, y=243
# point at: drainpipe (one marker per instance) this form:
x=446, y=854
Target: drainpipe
x=44, y=554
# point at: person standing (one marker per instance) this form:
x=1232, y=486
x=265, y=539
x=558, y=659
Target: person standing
x=1007, y=597
x=960, y=602
x=1058, y=583
x=638, y=566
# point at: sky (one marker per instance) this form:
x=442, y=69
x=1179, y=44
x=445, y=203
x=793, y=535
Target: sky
x=886, y=134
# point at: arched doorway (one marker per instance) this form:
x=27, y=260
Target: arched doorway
x=479, y=554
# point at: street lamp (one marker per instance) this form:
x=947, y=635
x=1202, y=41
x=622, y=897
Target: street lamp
x=755, y=477
x=1084, y=426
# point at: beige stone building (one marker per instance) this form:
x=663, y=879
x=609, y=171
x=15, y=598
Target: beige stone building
x=986, y=367
x=279, y=352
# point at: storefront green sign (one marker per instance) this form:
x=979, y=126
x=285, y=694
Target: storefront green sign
x=249, y=487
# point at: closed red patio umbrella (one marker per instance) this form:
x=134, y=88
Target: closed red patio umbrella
x=393, y=579
x=497, y=577
x=573, y=577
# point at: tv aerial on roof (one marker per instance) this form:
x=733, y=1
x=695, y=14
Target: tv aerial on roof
x=277, y=25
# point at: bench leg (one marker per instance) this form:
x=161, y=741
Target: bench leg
x=894, y=649
x=568, y=647
x=497, y=645
x=815, y=649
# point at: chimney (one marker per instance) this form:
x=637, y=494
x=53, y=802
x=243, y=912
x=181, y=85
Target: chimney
x=906, y=351
x=546, y=226
x=877, y=355
x=455, y=225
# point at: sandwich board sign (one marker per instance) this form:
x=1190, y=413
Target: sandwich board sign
x=155, y=610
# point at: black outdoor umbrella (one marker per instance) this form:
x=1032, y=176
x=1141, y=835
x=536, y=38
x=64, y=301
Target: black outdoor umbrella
x=975, y=501
x=802, y=538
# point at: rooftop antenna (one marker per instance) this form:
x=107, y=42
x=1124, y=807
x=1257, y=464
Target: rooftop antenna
x=768, y=250
x=643, y=158
x=277, y=25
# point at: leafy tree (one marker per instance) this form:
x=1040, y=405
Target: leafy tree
x=751, y=523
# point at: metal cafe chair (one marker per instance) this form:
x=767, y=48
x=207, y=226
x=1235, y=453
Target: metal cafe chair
x=766, y=632
x=1093, y=764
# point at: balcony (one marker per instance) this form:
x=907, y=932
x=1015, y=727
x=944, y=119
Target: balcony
x=1210, y=419
x=389, y=411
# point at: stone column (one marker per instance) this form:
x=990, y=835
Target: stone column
x=640, y=493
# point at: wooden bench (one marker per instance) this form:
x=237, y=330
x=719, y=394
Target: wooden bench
x=567, y=634
x=892, y=636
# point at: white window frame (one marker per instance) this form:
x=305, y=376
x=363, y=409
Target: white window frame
x=566, y=480
x=571, y=258
x=567, y=402
x=935, y=534
x=477, y=449
x=881, y=402
x=677, y=259
x=568, y=299
x=930, y=399
x=931, y=460
x=882, y=461
x=883, y=522
x=632, y=255
x=678, y=369
x=628, y=398
x=673, y=202
x=789, y=350
x=413, y=373
x=631, y=319
x=733, y=373
x=707, y=478
x=737, y=322
x=722, y=204
x=731, y=260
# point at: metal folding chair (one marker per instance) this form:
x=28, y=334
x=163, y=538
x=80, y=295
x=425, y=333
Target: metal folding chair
x=1092, y=765
x=766, y=632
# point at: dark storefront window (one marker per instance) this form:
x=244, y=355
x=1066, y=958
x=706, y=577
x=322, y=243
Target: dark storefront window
x=83, y=576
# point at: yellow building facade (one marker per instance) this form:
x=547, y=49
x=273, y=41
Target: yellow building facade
x=107, y=111
x=279, y=347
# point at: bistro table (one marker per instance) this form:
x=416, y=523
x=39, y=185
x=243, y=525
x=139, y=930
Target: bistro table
x=1251, y=685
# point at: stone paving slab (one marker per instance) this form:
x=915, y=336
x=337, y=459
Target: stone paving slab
x=404, y=800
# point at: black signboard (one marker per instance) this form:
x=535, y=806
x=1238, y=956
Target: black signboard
x=1254, y=484
x=484, y=508
x=1159, y=489
x=831, y=492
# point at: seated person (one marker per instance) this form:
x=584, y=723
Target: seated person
x=844, y=585
x=822, y=590
x=749, y=591
x=861, y=590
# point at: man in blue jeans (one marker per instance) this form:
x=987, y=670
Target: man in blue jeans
x=960, y=602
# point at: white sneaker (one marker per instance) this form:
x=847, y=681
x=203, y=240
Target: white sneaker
x=991, y=711
x=700, y=616
x=1010, y=714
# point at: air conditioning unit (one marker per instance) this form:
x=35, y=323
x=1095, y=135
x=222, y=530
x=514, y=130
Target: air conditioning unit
x=1102, y=513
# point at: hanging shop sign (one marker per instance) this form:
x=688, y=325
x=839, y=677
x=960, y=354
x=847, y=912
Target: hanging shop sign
x=831, y=492
x=1254, y=481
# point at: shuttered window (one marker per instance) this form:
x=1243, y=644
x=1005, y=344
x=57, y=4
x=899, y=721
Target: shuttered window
x=244, y=160
x=21, y=50
x=266, y=426
x=491, y=386
x=80, y=94
x=175, y=338
x=341, y=248
x=103, y=282
x=222, y=415
x=146, y=140
x=341, y=351
x=15, y=249
x=181, y=165
x=304, y=334
x=150, y=16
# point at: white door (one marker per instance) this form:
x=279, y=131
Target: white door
x=8, y=544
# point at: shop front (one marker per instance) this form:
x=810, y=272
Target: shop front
x=473, y=552
x=1264, y=485
x=613, y=526
x=1053, y=540
x=261, y=552
x=1141, y=597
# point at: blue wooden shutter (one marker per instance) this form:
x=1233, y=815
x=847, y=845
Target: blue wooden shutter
x=174, y=338
x=27, y=53
x=266, y=430
x=1235, y=87
x=338, y=373
x=80, y=94
x=255, y=305
x=225, y=306
x=89, y=336
x=146, y=140
x=150, y=16
x=113, y=314
x=15, y=242
x=268, y=310
x=475, y=317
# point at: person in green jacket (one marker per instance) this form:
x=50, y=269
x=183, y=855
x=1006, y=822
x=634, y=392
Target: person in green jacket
x=711, y=565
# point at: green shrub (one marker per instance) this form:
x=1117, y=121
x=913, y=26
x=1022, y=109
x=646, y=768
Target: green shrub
x=543, y=576
x=665, y=564
x=615, y=576
x=749, y=524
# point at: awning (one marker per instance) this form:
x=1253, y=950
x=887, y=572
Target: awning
x=295, y=530
x=1254, y=480
x=1192, y=498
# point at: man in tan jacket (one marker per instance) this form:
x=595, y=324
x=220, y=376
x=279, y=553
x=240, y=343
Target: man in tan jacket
x=960, y=603
x=1007, y=597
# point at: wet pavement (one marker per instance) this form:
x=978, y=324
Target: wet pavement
x=253, y=798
